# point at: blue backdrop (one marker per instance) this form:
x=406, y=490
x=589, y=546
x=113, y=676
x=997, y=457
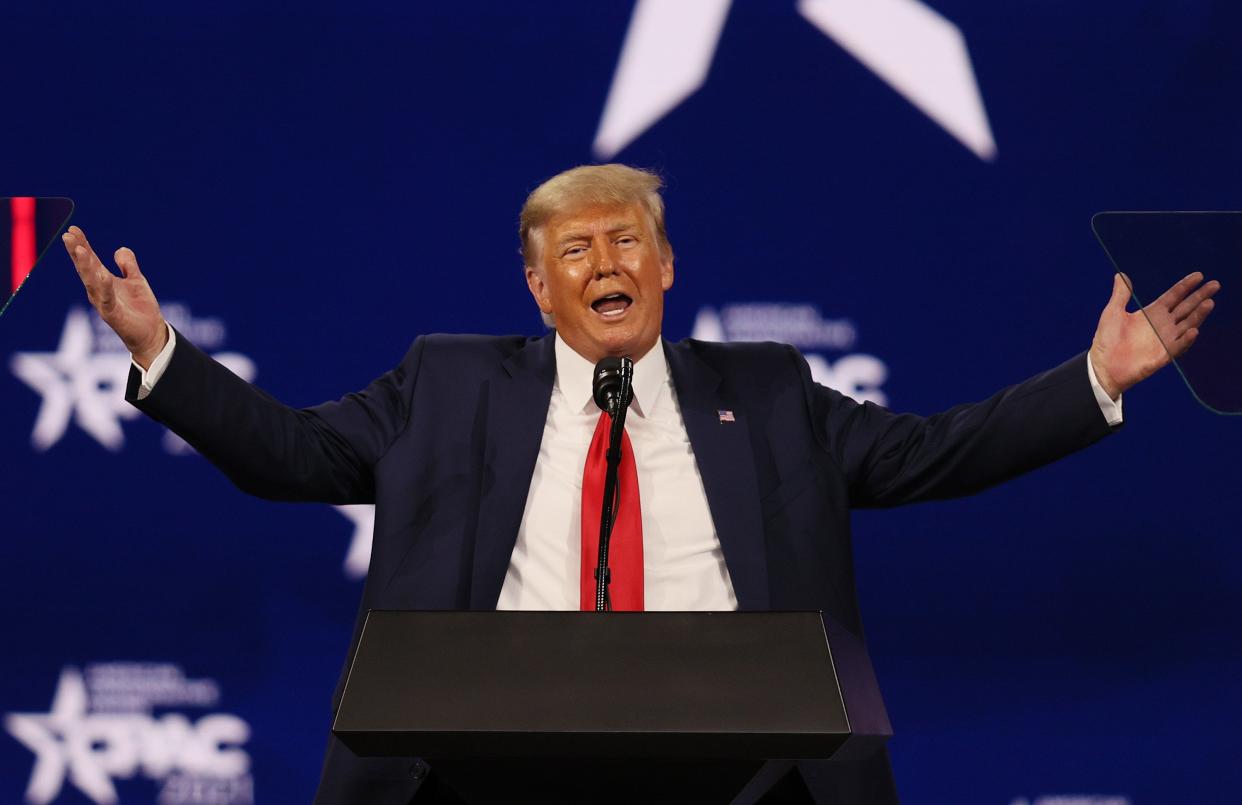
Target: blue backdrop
x=308, y=189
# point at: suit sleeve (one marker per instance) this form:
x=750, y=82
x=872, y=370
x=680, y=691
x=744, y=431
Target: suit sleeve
x=326, y=453
x=890, y=459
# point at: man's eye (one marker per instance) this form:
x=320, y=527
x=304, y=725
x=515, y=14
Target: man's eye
x=626, y=240
x=574, y=250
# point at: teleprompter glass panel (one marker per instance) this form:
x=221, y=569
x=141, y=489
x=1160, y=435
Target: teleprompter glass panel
x=1157, y=249
x=28, y=226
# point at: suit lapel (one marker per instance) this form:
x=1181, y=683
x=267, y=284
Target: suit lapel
x=517, y=410
x=727, y=465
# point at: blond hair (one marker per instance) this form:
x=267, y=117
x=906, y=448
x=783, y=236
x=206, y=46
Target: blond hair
x=588, y=185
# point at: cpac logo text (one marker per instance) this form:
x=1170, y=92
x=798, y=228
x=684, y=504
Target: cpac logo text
x=854, y=374
x=83, y=381
x=101, y=727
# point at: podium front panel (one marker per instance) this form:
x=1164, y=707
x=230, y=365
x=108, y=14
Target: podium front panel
x=583, y=684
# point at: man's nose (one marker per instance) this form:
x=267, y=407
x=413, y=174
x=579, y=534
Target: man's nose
x=605, y=260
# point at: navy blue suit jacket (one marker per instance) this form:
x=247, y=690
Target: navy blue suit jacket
x=445, y=445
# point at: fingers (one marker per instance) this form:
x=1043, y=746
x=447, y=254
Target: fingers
x=127, y=262
x=1180, y=290
x=98, y=279
x=73, y=238
x=1179, y=347
x=1195, y=317
x=77, y=253
x=1192, y=302
x=76, y=238
x=84, y=258
x=1121, y=292
x=94, y=275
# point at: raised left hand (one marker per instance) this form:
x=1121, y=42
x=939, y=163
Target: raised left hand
x=1129, y=347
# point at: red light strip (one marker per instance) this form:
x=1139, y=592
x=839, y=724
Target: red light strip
x=23, y=240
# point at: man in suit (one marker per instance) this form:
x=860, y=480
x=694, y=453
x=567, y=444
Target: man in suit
x=473, y=449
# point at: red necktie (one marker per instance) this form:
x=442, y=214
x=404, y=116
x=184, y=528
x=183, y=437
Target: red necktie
x=625, y=546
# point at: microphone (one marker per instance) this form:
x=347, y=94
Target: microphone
x=611, y=375
x=612, y=388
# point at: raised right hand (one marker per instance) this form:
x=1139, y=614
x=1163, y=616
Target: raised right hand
x=1129, y=347
x=126, y=304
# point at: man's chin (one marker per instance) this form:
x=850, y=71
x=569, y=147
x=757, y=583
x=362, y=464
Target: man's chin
x=611, y=345
x=633, y=348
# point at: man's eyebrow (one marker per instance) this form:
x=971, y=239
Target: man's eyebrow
x=612, y=229
x=569, y=237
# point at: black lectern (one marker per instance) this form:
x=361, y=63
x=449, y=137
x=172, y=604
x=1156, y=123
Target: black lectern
x=584, y=706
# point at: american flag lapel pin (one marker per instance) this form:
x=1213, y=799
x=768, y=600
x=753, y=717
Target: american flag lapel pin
x=725, y=416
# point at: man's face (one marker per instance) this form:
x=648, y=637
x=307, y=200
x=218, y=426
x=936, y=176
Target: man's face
x=601, y=273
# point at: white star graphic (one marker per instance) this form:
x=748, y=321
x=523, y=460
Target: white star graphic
x=670, y=45
x=84, y=381
x=76, y=381
x=62, y=741
x=358, y=559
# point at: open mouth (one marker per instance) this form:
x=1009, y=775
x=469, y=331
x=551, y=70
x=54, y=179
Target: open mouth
x=612, y=305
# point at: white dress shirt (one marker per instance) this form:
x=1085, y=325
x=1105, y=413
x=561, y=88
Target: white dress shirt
x=683, y=564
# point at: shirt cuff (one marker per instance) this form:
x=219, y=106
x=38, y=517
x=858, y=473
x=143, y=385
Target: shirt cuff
x=1110, y=408
x=152, y=375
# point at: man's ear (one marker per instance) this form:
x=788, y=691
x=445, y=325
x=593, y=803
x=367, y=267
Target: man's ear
x=666, y=272
x=538, y=289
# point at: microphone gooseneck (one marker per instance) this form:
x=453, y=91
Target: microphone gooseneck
x=612, y=388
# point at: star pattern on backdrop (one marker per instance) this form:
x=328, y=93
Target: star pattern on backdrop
x=670, y=46
x=78, y=383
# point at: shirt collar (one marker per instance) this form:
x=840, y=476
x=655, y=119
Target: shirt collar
x=573, y=378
